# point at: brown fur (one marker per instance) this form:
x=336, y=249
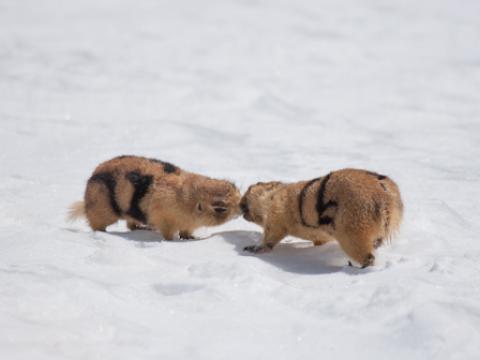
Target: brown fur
x=358, y=208
x=173, y=200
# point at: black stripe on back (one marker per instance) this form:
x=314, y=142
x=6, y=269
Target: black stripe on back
x=108, y=179
x=301, y=200
x=121, y=157
x=141, y=184
x=321, y=205
x=167, y=167
x=326, y=220
x=378, y=176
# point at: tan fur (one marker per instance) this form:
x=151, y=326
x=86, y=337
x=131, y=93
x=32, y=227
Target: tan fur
x=175, y=201
x=365, y=209
x=76, y=211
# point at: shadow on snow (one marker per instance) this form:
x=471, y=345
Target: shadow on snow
x=294, y=257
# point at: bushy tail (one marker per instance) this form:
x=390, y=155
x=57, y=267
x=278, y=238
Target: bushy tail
x=76, y=211
x=393, y=211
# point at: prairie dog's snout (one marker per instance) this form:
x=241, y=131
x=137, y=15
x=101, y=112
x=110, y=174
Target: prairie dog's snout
x=244, y=208
x=220, y=201
x=227, y=206
x=220, y=207
x=252, y=200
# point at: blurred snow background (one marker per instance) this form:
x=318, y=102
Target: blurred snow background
x=246, y=90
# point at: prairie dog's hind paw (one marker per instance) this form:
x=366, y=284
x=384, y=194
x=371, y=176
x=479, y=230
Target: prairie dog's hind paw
x=258, y=249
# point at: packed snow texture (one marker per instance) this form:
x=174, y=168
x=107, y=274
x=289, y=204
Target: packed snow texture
x=245, y=90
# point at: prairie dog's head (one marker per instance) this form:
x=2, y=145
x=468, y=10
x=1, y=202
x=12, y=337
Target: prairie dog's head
x=218, y=202
x=252, y=202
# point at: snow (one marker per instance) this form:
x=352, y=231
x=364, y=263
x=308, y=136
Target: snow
x=246, y=90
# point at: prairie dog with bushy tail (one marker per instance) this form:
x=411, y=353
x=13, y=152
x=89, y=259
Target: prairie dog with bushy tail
x=156, y=194
x=360, y=209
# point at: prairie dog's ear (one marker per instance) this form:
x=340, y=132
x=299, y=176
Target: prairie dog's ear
x=199, y=207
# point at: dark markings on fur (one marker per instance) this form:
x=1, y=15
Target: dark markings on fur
x=156, y=161
x=322, y=206
x=326, y=220
x=378, y=176
x=167, y=167
x=141, y=184
x=108, y=179
x=301, y=200
x=383, y=186
x=377, y=243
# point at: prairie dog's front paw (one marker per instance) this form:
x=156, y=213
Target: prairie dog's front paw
x=258, y=249
x=184, y=235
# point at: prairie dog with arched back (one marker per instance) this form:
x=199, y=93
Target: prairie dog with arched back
x=156, y=194
x=360, y=209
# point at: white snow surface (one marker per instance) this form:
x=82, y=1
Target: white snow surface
x=245, y=90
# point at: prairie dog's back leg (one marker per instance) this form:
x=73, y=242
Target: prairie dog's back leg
x=98, y=205
x=321, y=239
x=316, y=236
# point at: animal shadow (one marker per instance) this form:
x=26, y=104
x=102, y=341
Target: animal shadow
x=148, y=236
x=294, y=257
x=139, y=235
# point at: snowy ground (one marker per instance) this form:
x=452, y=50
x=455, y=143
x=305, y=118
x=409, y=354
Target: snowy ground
x=244, y=90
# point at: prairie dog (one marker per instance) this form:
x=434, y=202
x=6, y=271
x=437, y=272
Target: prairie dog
x=157, y=194
x=360, y=209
